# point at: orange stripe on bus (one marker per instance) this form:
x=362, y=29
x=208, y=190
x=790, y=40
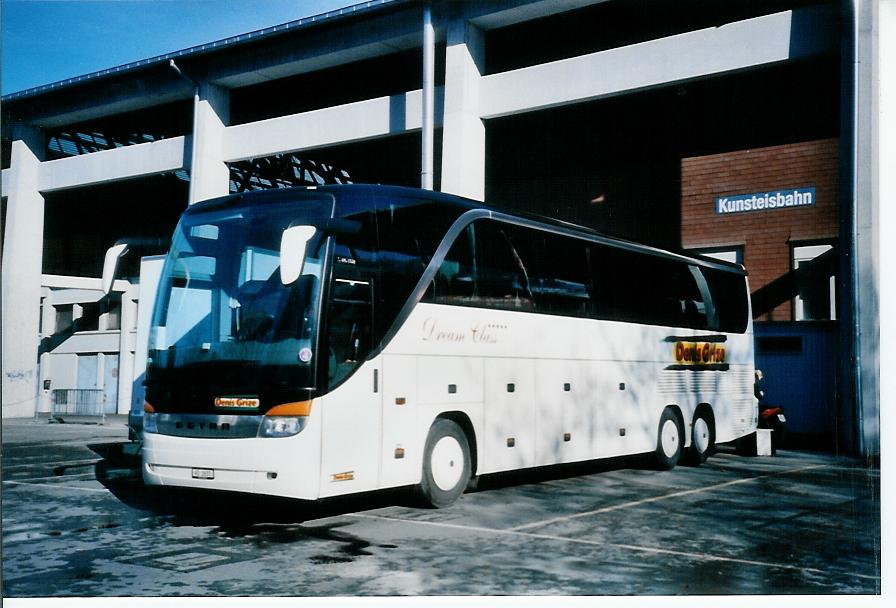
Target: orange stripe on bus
x=296, y=408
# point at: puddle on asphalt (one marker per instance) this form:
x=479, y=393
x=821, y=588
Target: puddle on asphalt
x=346, y=546
x=19, y=537
x=330, y=559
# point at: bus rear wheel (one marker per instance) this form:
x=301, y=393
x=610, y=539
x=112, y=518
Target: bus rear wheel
x=703, y=439
x=669, y=440
x=446, y=465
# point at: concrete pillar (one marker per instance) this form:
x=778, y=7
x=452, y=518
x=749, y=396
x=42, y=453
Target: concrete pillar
x=22, y=259
x=886, y=71
x=44, y=395
x=427, y=135
x=209, y=175
x=48, y=328
x=463, y=133
x=863, y=98
x=126, y=345
x=872, y=58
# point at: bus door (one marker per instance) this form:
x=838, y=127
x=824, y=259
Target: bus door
x=351, y=408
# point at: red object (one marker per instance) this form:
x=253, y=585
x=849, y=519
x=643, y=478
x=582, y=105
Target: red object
x=770, y=413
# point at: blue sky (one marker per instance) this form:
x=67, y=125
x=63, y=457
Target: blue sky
x=45, y=41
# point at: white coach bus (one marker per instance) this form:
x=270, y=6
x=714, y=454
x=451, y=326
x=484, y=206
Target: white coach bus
x=316, y=342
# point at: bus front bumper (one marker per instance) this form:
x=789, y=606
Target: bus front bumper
x=278, y=467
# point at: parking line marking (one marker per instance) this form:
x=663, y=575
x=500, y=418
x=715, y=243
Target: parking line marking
x=644, y=501
x=441, y=524
x=698, y=556
x=55, y=486
x=594, y=543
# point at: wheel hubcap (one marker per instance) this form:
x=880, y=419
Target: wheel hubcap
x=447, y=463
x=669, y=438
x=701, y=435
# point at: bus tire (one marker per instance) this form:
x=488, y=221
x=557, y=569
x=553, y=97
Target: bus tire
x=670, y=436
x=446, y=465
x=703, y=439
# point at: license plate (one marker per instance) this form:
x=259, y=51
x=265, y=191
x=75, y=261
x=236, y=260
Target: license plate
x=203, y=473
x=782, y=418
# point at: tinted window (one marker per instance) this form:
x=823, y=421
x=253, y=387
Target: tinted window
x=455, y=282
x=562, y=285
x=729, y=295
x=349, y=334
x=497, y=265
x=503, y=279
x=640, y=288
x=410, y=230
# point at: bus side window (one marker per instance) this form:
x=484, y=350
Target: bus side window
x=455, y=282
x=642, y=288
x=730, y=299
x=616, y=284
x=409, y=231
x=503, y=276
x=350, y=310
x=672, y=296
x=350, y=325
x=564, y=284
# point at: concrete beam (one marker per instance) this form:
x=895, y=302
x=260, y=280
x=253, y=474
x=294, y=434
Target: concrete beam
x=89, y=342
x=112, y=165
x=60, y=281
x=152, y=87
x=60, y=297
x=502, y=13
x=736, y=46
x=362, y=120
x=318, y=48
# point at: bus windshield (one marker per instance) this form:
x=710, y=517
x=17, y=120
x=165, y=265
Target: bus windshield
x=227, y=335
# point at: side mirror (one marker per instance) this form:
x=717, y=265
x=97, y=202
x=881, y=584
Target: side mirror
x=292, y=252
x=110, y=265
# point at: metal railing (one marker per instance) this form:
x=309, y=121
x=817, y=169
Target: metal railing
x=78, y=402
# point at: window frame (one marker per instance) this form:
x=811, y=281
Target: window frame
x=822, y=246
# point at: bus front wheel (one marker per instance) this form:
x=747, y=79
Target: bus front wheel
x=669, y=440
x=446, y=464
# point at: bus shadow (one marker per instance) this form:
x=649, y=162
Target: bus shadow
x=557, y=472
x=119, y=472
x=240, y=514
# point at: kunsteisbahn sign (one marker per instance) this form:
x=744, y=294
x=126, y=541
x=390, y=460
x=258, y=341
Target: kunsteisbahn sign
x=764, y=201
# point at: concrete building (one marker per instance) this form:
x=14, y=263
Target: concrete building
x=630, y=116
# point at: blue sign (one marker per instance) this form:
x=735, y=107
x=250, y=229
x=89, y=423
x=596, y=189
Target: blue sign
x=763, y=201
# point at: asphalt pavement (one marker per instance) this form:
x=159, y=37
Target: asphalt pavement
x=78, y=521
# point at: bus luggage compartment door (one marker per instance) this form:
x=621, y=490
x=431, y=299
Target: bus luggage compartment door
x=509, y=414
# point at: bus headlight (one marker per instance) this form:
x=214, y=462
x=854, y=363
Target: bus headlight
x=285, y=420
x=281, y=426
